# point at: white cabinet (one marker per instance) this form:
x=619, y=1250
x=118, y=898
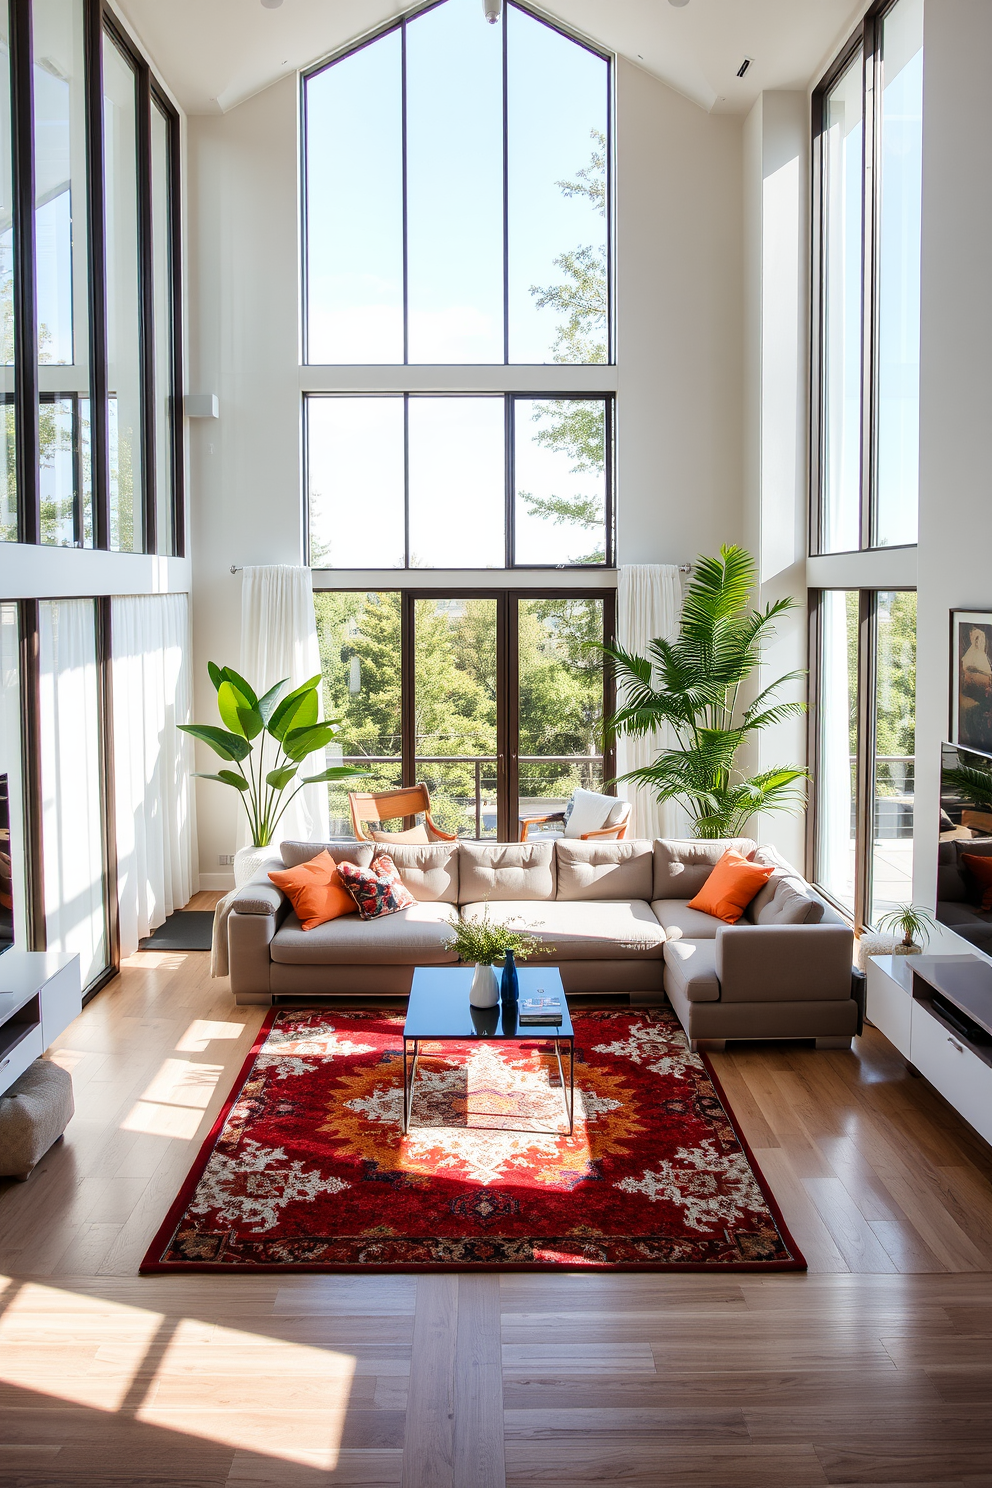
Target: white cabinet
x=889, y=999
x=964, y=1080
x=936, y=1051
x=39, y=997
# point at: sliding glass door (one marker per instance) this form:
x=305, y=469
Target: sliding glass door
x=494, y=699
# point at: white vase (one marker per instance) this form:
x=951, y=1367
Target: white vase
x=248, y=860
x=484, y=992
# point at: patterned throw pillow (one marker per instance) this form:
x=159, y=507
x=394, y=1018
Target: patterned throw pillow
x=378, y=890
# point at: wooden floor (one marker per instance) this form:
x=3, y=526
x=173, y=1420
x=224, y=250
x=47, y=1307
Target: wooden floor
x=876, y=1367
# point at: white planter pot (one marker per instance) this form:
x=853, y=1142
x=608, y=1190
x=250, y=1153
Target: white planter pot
x=484, y=992
x=248, y=860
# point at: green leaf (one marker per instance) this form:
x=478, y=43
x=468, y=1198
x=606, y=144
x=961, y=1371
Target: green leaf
x=251, y=722
x=230, y=702
x=226, y=777
x=242, y=686
x=267, y=704
x=214, y=673
x=336, y=772
x=279, y=779
x=228, y=746
x=300, y=742
x=299, y=710
x=229, y=778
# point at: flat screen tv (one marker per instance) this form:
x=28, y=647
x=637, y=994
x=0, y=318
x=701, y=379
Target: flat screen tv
x=964, y=862
x=6, y=887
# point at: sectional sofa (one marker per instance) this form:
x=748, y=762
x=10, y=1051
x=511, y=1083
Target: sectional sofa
x=615, y=916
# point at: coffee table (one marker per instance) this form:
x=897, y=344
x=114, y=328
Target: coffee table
x=439, y=1010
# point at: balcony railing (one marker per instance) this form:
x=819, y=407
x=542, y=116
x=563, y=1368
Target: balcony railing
x=475, y=804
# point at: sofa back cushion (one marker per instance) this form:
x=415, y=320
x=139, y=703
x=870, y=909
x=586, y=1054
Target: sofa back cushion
x=429, y=871
x=505, y=870
x=605, y=870
x=682, y=865
x=344, y=850
x=786, y=898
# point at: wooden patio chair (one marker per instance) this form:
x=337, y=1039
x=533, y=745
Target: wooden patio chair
x=615, y=833
x=380, y=806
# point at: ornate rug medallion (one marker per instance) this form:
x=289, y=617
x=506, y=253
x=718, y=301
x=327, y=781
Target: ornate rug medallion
x=307, y=1167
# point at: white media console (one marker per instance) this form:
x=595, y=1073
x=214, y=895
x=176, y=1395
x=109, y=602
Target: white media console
x=937, y=1011
x=39, y=997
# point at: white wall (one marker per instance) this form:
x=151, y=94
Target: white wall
x=679, y=332
x=955, y=566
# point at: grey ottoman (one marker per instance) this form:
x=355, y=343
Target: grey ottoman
x=34, y=1113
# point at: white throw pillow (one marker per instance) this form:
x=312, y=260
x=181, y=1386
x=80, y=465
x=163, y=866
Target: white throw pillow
x=591, y=812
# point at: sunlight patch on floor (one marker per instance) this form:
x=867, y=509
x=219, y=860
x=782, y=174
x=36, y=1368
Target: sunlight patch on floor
x=173, y=1103
x=155, y=960
x=201, y=1031
x=34, y=1330
x=251, y=1392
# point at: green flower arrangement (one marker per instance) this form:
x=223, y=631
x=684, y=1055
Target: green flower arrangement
x=484, y=942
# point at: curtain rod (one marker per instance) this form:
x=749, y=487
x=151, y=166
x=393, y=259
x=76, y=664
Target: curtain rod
x=683, y=568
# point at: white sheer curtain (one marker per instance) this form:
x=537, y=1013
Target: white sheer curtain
x=649, y=604
x=71, y=812
x=153, y=761
x=835, y=869
x=279, y=639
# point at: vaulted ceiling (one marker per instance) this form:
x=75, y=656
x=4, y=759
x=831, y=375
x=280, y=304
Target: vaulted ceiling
x=216, y=53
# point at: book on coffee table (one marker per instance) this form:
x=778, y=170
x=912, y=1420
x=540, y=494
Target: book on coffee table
x=542, y=1008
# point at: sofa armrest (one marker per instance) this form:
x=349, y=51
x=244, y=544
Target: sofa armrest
x=784, y=963
x=249, y=959
x=260, y=898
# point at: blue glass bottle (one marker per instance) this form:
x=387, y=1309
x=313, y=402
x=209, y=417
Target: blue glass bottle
x=509, y=985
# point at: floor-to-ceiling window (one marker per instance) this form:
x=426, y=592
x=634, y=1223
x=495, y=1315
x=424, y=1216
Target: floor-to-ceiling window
x=89, y=251
x=868, y=165
x=864, y=745
x=495, y=700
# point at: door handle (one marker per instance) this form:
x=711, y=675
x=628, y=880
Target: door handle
x=954, y=1044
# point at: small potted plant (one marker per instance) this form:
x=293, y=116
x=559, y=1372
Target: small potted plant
x=913, y=923
x=482, y=943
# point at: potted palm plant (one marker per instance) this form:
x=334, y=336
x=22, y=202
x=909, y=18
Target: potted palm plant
x=913, y=923
x=694, y=685
x=265, y=739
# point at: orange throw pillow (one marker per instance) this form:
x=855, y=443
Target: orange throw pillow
x=315, y=891
x=980, y=868
x=731, y=886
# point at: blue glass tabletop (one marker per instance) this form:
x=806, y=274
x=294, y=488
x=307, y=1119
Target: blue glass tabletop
x=439, y=1007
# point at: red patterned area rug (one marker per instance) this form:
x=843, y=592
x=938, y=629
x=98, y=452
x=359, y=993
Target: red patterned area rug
x=307, y=1168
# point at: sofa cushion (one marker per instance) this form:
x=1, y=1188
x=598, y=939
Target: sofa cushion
x=316, y=891
x=791, y=903
x=691, y=965
x=419, y=936
x=679, y=922
x=430, y=872
x=582, y=930
x=682, y=865
x=344, y=850
x=785, y=873
x=731, y=886
x=506, y=870
x=604, y=870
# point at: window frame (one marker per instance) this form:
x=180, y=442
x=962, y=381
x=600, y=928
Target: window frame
x=400, y=24
x=866, y=40
x=99, y=21
x=508, y=694
x=866, y=743
x=510, y=400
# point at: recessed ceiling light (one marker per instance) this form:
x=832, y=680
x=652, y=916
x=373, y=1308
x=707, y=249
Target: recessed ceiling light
x=678, y=3
x=272, y=4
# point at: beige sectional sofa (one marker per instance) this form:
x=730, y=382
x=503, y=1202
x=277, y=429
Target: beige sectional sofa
x=616, y=919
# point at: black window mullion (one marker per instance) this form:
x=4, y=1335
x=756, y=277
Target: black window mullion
x=105, y=703
x=174, y=169
x=507, y=716
x=864, y=803
x=30, y=691
x=869, y=263
x=147, y=303
x=610, y=543
x=408, y=685
x=506, y=196
x=26, y=433
x=99, y=447
x=509, y=478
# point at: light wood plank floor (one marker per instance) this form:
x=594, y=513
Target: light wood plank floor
x=874, y=1368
